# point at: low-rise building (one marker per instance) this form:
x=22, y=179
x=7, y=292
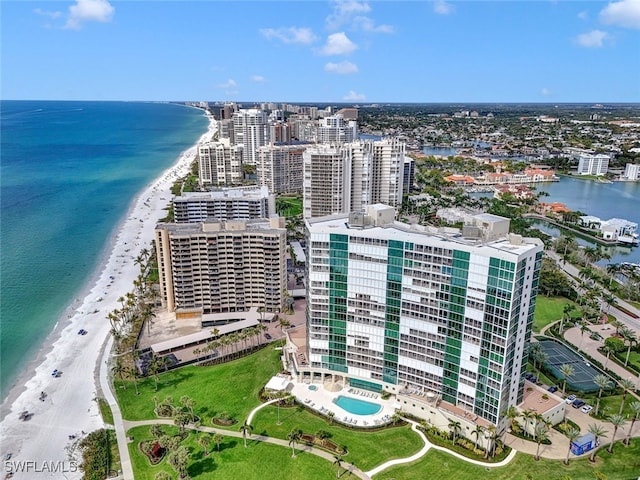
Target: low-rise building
x=224, y=204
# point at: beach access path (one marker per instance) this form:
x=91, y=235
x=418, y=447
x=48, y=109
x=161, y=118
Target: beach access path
x=56, y=424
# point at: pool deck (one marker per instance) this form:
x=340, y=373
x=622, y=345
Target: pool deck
x=321, y=400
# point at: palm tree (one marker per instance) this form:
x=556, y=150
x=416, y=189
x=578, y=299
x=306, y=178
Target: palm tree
x=613, y=269
x=617, y=421
x=293, y=436
x=541, y=436
x=246, y=430
x=566, y=312
x=627, y=386
x=477, y=431
x=567, y=371
x=527, y=415
x=603, y=383
x=583, y=329
x=572, y=434
x=189, y=403
x=597, y=431
x=490, y=436
x=608, y=350
x=338, y=463
x=454, y=428
x=512, y=413
x=331, y=415
x=204, y=440
x=179, y=459
x=119, y=370
x=156, y=431
x=628, y=335
x=217, y=439
x=635, y=408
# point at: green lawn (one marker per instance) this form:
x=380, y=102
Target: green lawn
x=366, y=449
x=105, y=411
x=230, y=387
x=548, y=310
x=634, y=359
x=258, y=461
x=289, y=206
x=611, y=405
x=624, y=464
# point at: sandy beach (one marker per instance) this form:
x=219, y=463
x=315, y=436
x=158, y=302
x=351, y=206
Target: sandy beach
x=70, y=408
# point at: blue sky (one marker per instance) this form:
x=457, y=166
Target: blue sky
x=313, y=51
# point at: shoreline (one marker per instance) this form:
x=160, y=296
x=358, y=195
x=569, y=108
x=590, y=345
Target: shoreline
x=70, y=407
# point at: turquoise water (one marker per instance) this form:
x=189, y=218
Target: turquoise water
x=69, y=172
x=357, y=406
x=313, y=388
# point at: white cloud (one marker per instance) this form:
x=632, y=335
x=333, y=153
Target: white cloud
x=89, y=11
x=297, y=35
x=343, y=11
x=258, y=78
x=354, y=97
x=338, y=44
x=366, y=24
x=342, y=68
x=45, y=13
x=592, y=39
x=442, y=8
x=583, y=15
x=545, y=92
x=231, y=83
x=625, y=13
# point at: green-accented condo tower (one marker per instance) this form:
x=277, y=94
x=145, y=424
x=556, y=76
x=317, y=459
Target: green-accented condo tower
x=394, y=305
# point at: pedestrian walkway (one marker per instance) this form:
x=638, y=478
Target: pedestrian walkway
x=428, y=446
x=121, y=435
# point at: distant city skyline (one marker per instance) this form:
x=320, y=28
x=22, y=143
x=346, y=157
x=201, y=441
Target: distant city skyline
x=322, y=52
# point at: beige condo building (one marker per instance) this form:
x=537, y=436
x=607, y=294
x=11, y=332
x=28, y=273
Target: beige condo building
x=222, y=266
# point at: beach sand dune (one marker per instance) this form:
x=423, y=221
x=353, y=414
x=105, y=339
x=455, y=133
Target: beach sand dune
x=69, y=407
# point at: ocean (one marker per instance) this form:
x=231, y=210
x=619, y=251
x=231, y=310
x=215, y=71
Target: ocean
x=68, y=174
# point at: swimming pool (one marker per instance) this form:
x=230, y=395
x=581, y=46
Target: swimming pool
x=313, y=388
x=357, y=406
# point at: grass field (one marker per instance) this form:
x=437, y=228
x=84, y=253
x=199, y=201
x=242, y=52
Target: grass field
x=105, y=411
x=289, y=206
x=548, y=310
x=366, y=449
x=634, y=359
x=230, y=387
x=624, y=464
x=259, y=461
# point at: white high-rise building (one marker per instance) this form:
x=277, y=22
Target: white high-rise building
x=443, y=323
x=280, y=167
x=341, y=178
x=334, y=129
x=631, y=172
x=220, y=163
x=251, y=129
x=589, y=164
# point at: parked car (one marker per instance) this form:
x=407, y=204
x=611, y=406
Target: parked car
x=54, y=373
x=267, y=336
x=552, y=389
x=586, y=409
x=570, y=398
x=577, y=403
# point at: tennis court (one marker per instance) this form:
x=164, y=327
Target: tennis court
x=582, y=379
